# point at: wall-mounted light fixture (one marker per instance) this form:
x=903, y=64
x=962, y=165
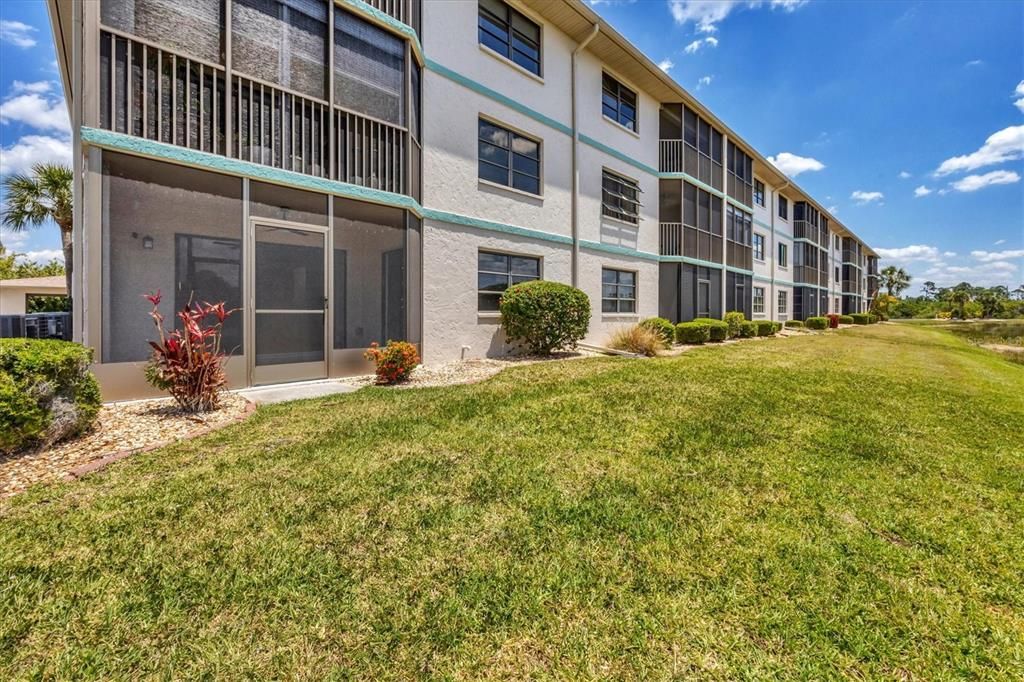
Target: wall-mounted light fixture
x=147, y=242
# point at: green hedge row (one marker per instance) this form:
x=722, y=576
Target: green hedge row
x=861, y=318
x=47, y=392
x=794, y=324
x=846, y=319
x=816, y=323
x=665, y=329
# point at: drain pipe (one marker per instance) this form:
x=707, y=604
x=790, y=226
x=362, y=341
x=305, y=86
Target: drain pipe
x=575, y=161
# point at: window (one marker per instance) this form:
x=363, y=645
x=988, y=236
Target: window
x=193, y=27
x=758, y=300
x=783, y=208
x=618, y=102
x=497, y=272
x=507, y=158
x=783, y=256
x=838, y=309
x=783, y=302
x=837, y=273
x=618, y=291
x=620, y=197
x=758, y=246
x=510, y=34
x=758, y=192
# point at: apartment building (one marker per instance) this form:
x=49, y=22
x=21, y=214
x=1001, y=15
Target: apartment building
x=344, y=172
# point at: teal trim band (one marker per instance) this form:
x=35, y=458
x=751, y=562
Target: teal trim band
x=481, y=89
x=222, y=164
x=693, y=181
x=854, y=265
x=387, y=20
x=491, y=226
x=692, y=261
x=739, y=271
x=763, y=224
x=619, y=250
x=617, y=154
x=739, y=204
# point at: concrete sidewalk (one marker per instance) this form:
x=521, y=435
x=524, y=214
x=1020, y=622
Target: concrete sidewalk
x=280, y=393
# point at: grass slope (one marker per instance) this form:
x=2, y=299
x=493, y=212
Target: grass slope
x=847, y=504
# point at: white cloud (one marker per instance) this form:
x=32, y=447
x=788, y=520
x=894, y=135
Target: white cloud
x=704, y=80
x=43, y=256
x=1004, y=145
x=666, y=64
x=949, y=254
x=862, y=197
x=1019, y=94
x=696, y=45
x=922, y=191
x=998, y=242
x=993, y=256
x=33, y=149
x=914, y=252
x=706, y=14
x=34, y=109
x=834, y=210
x=904, y=175
x=36, y=87
x=17, y=33
x=973, y=183
x=974, y=62
x=793, y=165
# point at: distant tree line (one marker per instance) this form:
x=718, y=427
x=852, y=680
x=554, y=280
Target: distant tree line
x=963, y=301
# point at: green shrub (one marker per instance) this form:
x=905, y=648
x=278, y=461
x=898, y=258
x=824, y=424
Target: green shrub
x=816, y=323
x=776, y=327
x=861, y=318
x=692, y=332
x=545, y=316
x=47, y=392
x=665, y=329
x=748, y=330
x=794, y=324
x=845, y=319
x=765, y=327
x=872, y=318
x=717, y=329
x=733, y=320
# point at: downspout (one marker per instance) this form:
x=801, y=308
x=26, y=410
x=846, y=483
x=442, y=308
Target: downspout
x=575, y=161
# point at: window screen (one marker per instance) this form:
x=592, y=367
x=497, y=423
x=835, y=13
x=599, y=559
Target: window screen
x=369, y=69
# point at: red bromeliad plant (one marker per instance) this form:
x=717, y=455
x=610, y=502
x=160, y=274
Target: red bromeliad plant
x=188, y=362
x=395, y=361
x=833, y=321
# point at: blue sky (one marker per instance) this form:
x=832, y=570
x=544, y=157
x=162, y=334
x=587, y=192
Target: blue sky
x=906, y=117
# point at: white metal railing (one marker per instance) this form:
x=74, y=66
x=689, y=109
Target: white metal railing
x=670, y=239
x=671, y=157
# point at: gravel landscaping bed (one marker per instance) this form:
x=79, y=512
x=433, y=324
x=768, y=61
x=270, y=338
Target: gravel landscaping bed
x=121, y=428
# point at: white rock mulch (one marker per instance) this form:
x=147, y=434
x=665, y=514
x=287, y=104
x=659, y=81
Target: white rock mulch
x=120, y=428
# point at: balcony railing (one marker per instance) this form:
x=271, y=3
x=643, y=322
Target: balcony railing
x=670, y=242
x=406, y=11
x=672, y=157
x=155, y=94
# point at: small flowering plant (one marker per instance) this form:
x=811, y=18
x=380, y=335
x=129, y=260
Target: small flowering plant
x=188, y=363
x=395, y=361
x=833, y=321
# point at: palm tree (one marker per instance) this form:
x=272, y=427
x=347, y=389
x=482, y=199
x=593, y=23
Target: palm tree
x=35, y=198
x=894, y=279
x=960, y=296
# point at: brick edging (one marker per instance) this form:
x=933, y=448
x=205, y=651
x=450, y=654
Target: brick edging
x=78, y=472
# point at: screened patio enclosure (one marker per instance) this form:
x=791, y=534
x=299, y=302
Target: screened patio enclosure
x=313, y=279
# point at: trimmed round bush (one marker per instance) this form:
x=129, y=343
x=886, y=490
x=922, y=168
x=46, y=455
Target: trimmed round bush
x=816, y=323
x=748, y=330
x=47, y=393
x=833, y=321
x=765, y=327
x=733, y=320
x=776, y=327
x=692, y=332
x=665, y=329
x=861, y=318
x=794, y=324
x=545, y=316
x=845, y=319
x=717, y=329
x=872, y=318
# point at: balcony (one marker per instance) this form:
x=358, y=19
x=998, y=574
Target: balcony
x=670, y=239
x=153, y=93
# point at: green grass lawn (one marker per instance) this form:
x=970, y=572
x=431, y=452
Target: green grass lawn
x=848, y=504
